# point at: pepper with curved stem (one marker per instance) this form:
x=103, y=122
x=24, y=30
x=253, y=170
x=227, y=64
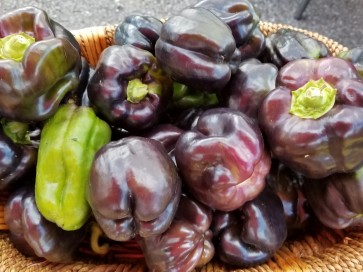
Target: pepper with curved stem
x=96, y=233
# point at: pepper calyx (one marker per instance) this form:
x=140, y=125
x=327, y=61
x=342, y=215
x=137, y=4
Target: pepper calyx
x=313, y=100
x=18, y=132
x=14, y=46
x=136, y=90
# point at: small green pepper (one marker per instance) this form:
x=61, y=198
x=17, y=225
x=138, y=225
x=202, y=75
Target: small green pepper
x=68, y=143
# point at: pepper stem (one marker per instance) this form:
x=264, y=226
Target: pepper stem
x=136, y=90
x=14, y=46
x=18, y=132
x=313, y=100
x=96, y=234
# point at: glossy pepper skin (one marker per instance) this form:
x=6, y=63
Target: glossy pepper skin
x=16, y=161
x=188, y=118
x=243, y=20
x=128, y=88
x=195, y=48
x=355, y=56
x=337, y=199
x=186, y=244
x=286, y=45
x=222, y=160
x=251, y=234
x=134, y=188
x=33, y=235
x=249, y=86
x=287, y=185
x=68, y=144
x=32, y=88
x=167, y=135
x=304, y=129
x=139, y=31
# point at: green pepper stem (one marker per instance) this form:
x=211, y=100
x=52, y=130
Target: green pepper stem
x=313, y=100
x=179, y=91
x=18, y=132
x=14, y=46
x=96, y=234
x=136, y=90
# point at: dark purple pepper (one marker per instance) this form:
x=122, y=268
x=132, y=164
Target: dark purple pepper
x=337, y=199
x=249, y=86
x=195, y=48
x=16, y=161
x=129, y=89
x=33, y=235
x=140, y=31
x=186, y=244
x=243, y=20
x=222, y=160
x=286, y=45
x=251, y=234
x=313, y=120
x=134, y=188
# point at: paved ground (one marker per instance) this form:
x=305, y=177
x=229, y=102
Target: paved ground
x=340, y=20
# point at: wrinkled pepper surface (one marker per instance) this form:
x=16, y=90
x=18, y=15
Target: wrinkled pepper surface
x=248, y=86
x=40, y=63
x=313, y=119
x=286, y=45
x=134, y=188
x=16, y=161
x=222, y=160
x=33, y=235
x=128, y=88
x=140, y=31
x=337, y=199
x=195, y=48
x=186, y=244
x=251, y=234
x=68, y=143
x=243, y=20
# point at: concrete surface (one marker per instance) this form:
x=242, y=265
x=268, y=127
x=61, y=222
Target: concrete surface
x=341, y=20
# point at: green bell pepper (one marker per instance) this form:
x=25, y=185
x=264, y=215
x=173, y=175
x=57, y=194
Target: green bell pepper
x=68, y=143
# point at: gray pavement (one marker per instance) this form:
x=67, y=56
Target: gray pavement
x=341, y=20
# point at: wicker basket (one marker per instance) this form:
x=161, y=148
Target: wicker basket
x=321, y=250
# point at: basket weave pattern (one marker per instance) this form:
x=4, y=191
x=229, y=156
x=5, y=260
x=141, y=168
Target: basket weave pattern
x=324, y=250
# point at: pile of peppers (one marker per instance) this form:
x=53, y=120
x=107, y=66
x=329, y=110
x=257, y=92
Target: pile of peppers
x=198, y=137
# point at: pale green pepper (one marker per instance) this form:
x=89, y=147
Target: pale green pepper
x=68, y=143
